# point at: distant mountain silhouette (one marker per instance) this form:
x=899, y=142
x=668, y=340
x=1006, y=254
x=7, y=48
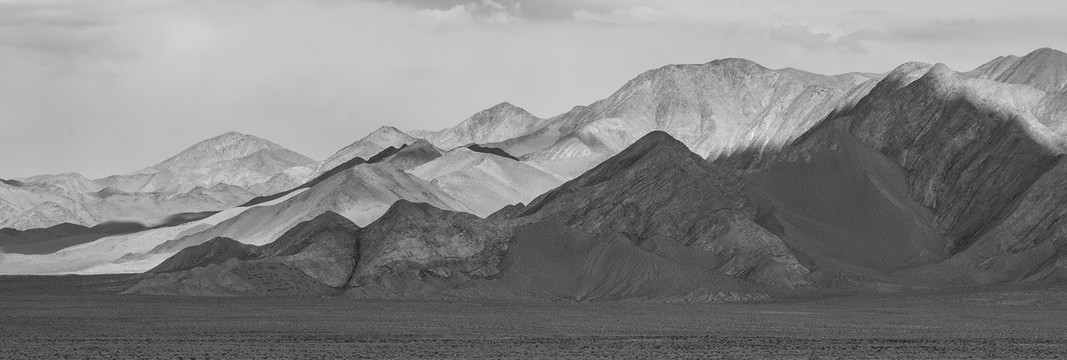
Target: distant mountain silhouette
x=723, y=181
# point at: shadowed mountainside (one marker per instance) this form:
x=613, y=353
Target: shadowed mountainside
x=417, y=250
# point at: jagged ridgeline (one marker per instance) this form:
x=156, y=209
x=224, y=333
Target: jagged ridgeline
x=723, y=181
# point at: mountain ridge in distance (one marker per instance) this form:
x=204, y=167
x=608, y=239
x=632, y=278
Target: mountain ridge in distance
x=745, y=180
x=231, y=158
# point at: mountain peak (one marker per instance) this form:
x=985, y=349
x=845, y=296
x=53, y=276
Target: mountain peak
x=653, y=140
x=233, y=133
x=503, y=109
x=1047, y=51
x=387, y=130
x=228, y=146
x=402, y=208
x=386, y=136
x=1044, y=69
x=231, y=137
x=501, y=122
x=503, y=106
x=300, y=236
x=654, y=153
x=737, y=62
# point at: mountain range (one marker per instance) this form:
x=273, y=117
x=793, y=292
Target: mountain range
x=723, y=181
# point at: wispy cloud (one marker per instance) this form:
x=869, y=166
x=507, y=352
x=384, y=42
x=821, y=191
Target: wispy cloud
x=807, y=38
x=636, y=14
x=489, y=11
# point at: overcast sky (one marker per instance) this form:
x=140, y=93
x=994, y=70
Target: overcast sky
x=104, y=87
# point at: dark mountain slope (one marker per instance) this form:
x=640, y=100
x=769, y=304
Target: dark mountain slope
x=687, y=224
x=215, y=251
x=314, y=257
x=845, y=206
x=968, y=153
x=933, y=178
x=657, y=187
x=551, y=260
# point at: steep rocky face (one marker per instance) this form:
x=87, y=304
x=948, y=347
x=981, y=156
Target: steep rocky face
x=715, y=108
x=967, y=147
x=498, y=123
x=956, y=181
x=373, y=143
x=1030, y=243
x=657, y=187
x=231, y=158
x=416, y=241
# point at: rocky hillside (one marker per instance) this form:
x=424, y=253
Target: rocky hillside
x=1044, y=69
x=935, y=177
x=715, y=108
x=498, y=123
x=687, y=251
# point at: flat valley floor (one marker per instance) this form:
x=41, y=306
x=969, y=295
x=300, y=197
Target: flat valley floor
x=70, y=317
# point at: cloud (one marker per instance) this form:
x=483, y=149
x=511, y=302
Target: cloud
x=636, y=14
x=487, y=11
x=804, y=37
x=535, y=10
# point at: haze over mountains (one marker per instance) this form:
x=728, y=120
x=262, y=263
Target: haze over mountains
x=723, y=181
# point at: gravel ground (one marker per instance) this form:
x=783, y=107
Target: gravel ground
x=45, y=317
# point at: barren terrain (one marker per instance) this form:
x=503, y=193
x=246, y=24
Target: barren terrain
x=73, y=317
